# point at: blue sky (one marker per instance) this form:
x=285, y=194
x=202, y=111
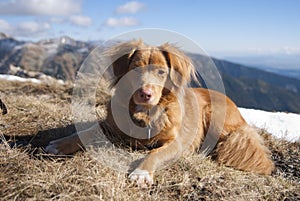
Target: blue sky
x=220, y=27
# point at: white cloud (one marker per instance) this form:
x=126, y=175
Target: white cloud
x=124, y=21
x=57, y=20
x=40, y=7
x=77, y=20
x=291, y=50
x=25, y=29
x=81, y=20
x=5, y=26
x=130, y=7
x=278, y=50
x=31, y=27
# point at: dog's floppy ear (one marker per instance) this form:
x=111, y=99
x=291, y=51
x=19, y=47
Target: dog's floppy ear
x=181, y=67
x=121, y=55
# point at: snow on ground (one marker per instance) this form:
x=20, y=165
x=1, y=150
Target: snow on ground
x=42, y=79
x=280, y=124
x=18, y=79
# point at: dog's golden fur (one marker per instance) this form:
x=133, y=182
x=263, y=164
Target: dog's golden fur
x=167, y=106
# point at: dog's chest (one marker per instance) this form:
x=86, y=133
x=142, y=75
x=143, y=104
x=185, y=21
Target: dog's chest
x=155, y=119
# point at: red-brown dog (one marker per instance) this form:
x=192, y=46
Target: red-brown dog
x=180, y=117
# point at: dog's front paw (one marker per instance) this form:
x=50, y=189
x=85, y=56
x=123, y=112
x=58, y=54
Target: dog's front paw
x=141, y=177
x=64, y=146
x=54, y=148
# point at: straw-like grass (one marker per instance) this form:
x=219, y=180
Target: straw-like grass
x=25, y=175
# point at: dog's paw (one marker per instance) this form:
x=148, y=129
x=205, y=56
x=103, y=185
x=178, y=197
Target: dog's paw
x=64, y=146
x=141, y=177
x=53, y=148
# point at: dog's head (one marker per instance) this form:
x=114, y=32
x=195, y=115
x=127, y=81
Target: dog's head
x=156, y=70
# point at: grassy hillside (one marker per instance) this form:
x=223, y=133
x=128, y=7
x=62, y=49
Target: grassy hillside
x=28, y=173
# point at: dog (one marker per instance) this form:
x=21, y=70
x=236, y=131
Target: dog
x=179, y=118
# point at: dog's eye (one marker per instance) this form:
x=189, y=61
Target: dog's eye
x=161, y=72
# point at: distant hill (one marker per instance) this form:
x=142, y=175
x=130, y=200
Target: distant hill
x=280, y=63
x=58, y=57
x=62, y=57
x=294, y=73
x=254, y=88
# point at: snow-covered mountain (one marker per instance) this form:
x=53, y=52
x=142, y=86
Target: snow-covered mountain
x=57, y=57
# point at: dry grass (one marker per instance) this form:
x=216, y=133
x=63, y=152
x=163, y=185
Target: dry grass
x=28, y=176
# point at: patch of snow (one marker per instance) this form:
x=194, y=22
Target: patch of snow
x=18, y=79
x=18, y=47
x=281, y=125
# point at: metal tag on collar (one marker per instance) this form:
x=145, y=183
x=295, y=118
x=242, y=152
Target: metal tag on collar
x=149, y=126
x=149, y=132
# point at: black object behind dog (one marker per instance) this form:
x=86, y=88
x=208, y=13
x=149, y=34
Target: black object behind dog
x=3, y=107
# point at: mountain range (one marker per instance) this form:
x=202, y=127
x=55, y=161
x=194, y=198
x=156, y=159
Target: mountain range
x=57, y=57
x=287, y=64
x=62, y=57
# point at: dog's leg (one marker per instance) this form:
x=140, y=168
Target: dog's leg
x=143, y=174
x=244, y=150
x=72, y=143
x=64, y=146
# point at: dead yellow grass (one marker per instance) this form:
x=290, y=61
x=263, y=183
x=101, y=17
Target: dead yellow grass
x=27, y=176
